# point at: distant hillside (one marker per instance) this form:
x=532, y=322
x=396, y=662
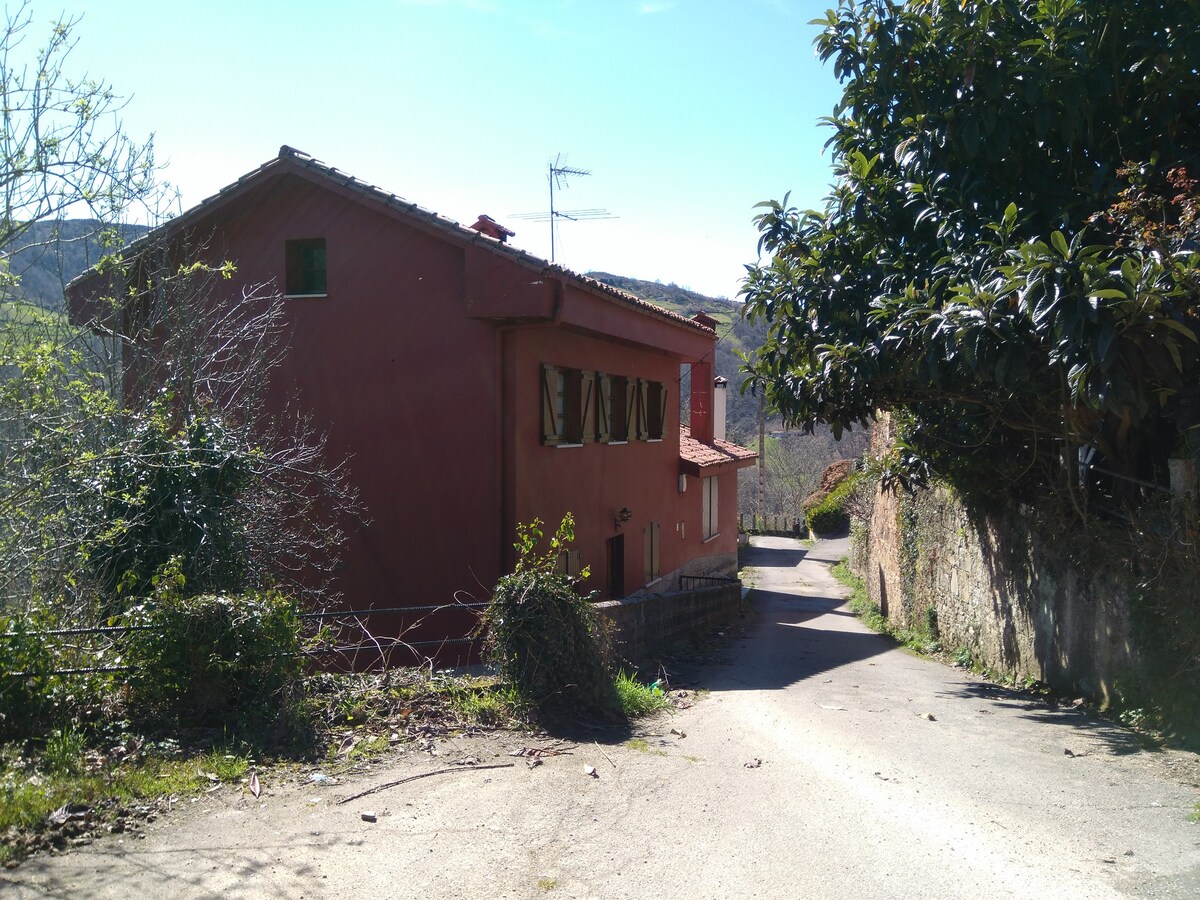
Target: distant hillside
x=734, y=333
x=50, y=254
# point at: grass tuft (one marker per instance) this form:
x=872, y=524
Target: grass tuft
x=921, y=641
x=638, y=699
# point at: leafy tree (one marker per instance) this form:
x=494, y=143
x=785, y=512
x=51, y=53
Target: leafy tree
x=1009, y=256
x=64, y=152
x=142, y=438
x=151, y=443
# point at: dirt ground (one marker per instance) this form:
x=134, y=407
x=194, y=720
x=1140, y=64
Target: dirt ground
x=818, y=761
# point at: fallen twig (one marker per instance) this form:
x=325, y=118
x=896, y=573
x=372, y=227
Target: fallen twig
x=536, y=752
x=392, y=784
x=605, y=755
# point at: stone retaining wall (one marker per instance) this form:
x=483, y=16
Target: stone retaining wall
x=988, y=585
x=648, y=623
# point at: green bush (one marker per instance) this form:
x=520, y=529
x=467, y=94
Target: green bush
x=639, y=699
x=173, y=492
x=24, y=671
x=33, y=698
x=830, y=516
x=544, y=638
x=214, y=658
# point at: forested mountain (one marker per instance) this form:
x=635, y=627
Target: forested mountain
x=734, y=334
x=50, y=254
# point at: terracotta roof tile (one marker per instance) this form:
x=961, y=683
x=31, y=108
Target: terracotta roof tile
x=696, y=457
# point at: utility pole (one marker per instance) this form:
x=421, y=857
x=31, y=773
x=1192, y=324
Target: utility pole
x=762, y=455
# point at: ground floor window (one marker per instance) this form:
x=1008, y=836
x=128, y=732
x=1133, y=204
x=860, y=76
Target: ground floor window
x=708, y=513
x=568, y=563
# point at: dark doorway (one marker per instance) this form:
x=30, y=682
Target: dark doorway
x=616, y=567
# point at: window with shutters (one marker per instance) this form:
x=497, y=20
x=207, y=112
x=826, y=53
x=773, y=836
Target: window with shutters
x=649, y=420
x=620, y=408
x=568, y=563
x=579, y=406
x=568, y=419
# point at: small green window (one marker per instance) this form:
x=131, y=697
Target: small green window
x=306, y=267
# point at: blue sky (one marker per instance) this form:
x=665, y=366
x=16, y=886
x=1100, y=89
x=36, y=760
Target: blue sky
x=687, y=113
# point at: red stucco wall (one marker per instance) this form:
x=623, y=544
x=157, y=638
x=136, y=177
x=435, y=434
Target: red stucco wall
x=405, y=384
x=423, y=364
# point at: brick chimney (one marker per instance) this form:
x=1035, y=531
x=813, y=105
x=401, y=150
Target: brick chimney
x=493, y=229
x=702, y=401
x=702, y=389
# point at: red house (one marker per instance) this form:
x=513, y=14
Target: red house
x=474, y=387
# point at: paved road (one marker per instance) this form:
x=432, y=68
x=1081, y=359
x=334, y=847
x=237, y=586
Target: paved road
x=823, y=762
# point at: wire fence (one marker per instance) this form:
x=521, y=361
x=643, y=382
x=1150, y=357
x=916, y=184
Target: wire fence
x=350, y=639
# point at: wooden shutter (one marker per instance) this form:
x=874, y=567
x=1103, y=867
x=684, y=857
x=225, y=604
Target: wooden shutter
x=631, y=394
x=661, y=424
x=549, y=412
x=643, y=420
x=603, y=407
x=587, y=419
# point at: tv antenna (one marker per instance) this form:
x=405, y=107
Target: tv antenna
x=557, y=173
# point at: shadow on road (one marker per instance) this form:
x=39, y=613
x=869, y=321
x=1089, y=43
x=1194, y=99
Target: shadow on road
x=772, y=557
x=1116, y=739
x=115, y=866
x=793, y=638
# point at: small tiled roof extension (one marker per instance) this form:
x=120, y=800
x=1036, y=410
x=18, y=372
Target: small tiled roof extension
x=702, y=460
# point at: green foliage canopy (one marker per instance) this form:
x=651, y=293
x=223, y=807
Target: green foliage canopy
x=1010, y=251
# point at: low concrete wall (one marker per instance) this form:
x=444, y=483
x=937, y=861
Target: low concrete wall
x=991, y=586
x=646, y=623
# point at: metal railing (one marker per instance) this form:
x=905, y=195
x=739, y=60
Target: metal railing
x=691, y=582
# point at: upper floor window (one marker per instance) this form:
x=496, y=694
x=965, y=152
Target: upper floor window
x=656, y=409
x=580, y=406
x=305, y=267
x=650, y=419
x=617, y=393
x=567, y=406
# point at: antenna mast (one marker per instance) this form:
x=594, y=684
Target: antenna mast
x=559, y=170
x=556, y=174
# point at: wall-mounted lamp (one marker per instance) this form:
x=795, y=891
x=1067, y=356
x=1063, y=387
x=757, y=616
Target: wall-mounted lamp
x=623, y=516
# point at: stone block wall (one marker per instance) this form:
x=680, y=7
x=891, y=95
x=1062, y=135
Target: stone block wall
x=646, y=623
x=1010, y=598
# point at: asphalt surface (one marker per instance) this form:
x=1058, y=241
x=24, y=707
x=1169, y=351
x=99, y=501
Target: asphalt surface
x=821, y=762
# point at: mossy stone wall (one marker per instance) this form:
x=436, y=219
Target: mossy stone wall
x=1008, y=597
